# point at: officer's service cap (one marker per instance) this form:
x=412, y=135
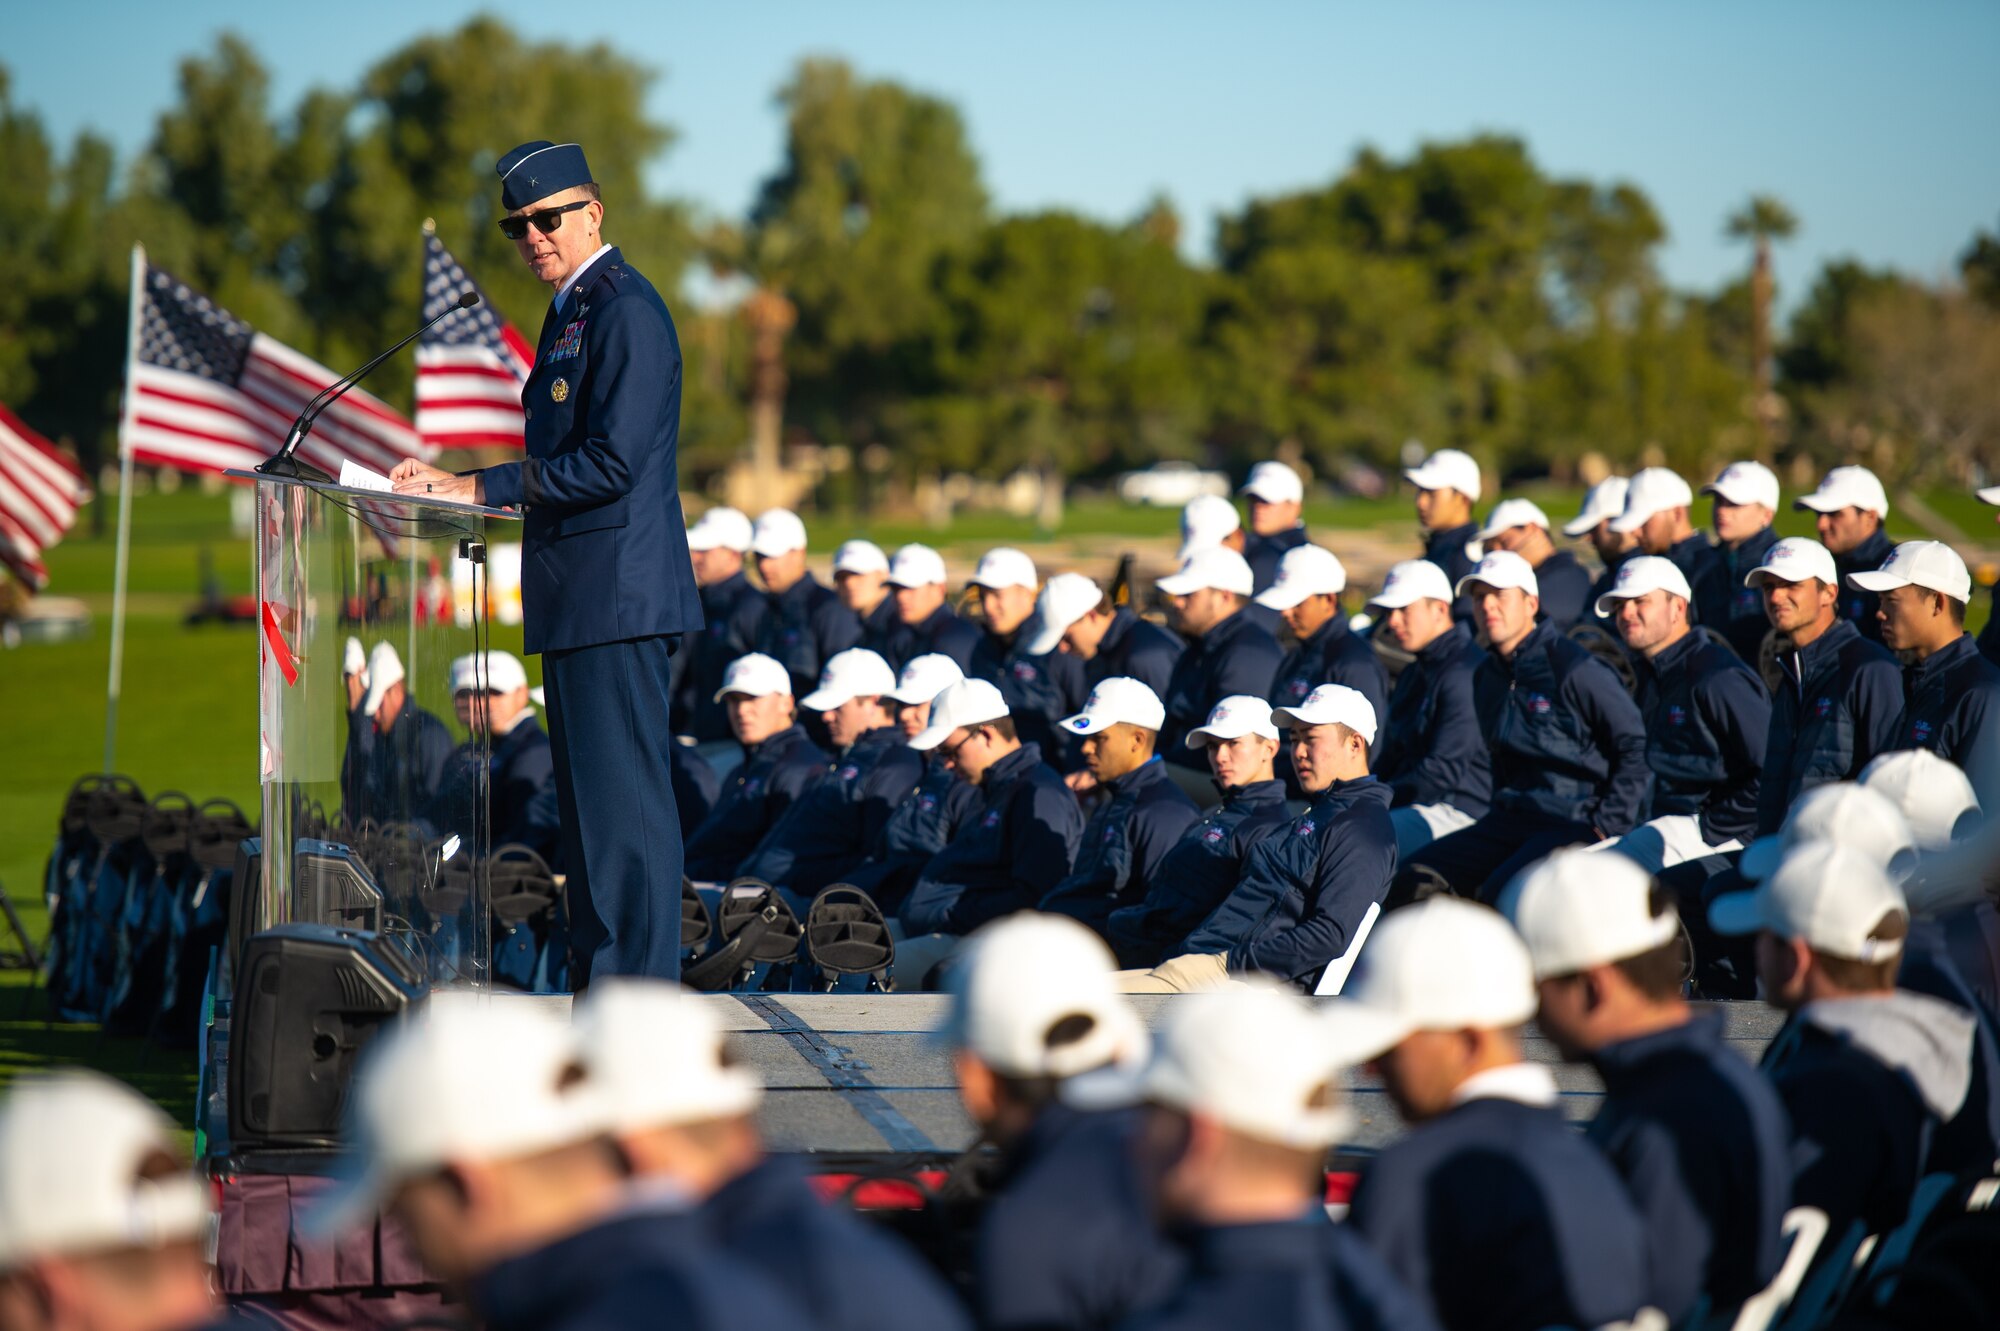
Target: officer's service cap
x=1583, y=908
x=1832, y=898
x=970, y=702
x=1305, y=570
x=1238, y=715
x=754, y=675
x=1934, y=794
x=916, y=566
x=1117, y=700
x=1499, y=570
x=655, y=1051
x=538, y=169
x=1654, y=490
x=925, y=677
x=1217, y=566
x=1411, y=581
x=1794, y=559
x=1033, y=996
x=1447, y=469
x=1745, y=483
x=1640, y=575
x=1442, y=965
x=1606, y=500
x=1931, y=565
x=1847, y=487
x=720, y=528
x=1333, y=704
x=1839, y=813
x=1065, y=598
x=1511, y=513
x=854, y=673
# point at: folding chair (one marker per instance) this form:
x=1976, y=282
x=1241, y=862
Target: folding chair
x=1335, y=975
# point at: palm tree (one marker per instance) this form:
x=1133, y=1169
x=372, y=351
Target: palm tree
x=1762, y=220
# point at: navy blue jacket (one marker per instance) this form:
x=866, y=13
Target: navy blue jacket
x=1039, y=690
x=851, y=1274
x=1951, y=706
x=1236, y=656
x=732, y=609
x=1705, y=1148
x=1568, y=742
x=941, y=632
x=1447, y=549
x=1933, y=964
x=697, y=786
x=1070, y=1240
x=1140, y=819
x=1016, y=843
x=803, y=628
x=1197, y=874
x=1137, y=649
x=1835, y=711
x=1334, y=655
x=1723, y=603
x=1855, y=604
x=639, y=1268
x=838, y=820
x=1264, y=553
x=604, y=554
x=1307, y=1274
x=1606, y=580
x=395, y=777
x=756, y=793
x=1305, y=889
x=520, y=790
x=1505, y=1220
x=1707, y=718
x=1429, y=747
x=919, y=828
x=1694, y=556
x=1989, y=636
x=1565, y=589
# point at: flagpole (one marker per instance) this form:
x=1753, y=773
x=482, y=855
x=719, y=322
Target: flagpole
x=126, y=422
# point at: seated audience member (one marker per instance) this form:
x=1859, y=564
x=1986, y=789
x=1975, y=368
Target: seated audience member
x=1657, y=505
x=1520, y=526
x=103, y=1227
x=1210, y=522
x=1448, y=485
x=1016, y=841
x=1989, y=637
x=1306, y=593
x=1952, y=911
x=1850, y=507
x=840, y=819
x=1746, y=499
x=1432, y=753
x=1305, y=890
x=1568, y=743
x=682, y=1114
x=1227, y=652
x=1244, y=1111
x=1867, y=1072
x=1141, y=813
x=1202, y=868
x=921, y=825
x=697, y=785
x=1604, y=501
x=732, y=610
x=1069, y=1237
x=861, y=580
x=1707, y=717
x=1491, y=1208
x=1276, y=498
x=925, y=622
x=396, y=763
x=804, y=623
x=1041, y=688
x=1078, y=618
x=1699, y=1138
x=492, y=699
x=778, y=763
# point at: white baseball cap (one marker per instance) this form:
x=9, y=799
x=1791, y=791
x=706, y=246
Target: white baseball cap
x=754, y=676
x=1205, y=522
x=1237, y=715
x=1846, y=487
x=854, y=673
x=1830, y=897
x=1065, y=598
x=1746, y=483
x=858, y=556
x=1932, y=565
x=1252, y=1056
x=1305, y=570
x=76, y=1176
x=1331, y=704
x=1217, y=566
x=1990, y=495
x=778, y=532
x=916, y=566
x=1442, y=965
x=1933, y=793
x=925, y=677
x=1447, y=469
x=1004, y=566
x=721, y=528
x=655, y=1052
x=1511, y=513
x=1641, y=574
x=1583, y=908
x=354, y=659
x=1115, y=700
x=385, y=669
x=970, y=702
x=473, y=1079
x=503, y=674
x=1839, y=813
x=1653, y=490
x=1411, y=581
x=1033, y=996
x=1794, y=559
x=1500, y=569
x=1275, y=483
x=1606, y=500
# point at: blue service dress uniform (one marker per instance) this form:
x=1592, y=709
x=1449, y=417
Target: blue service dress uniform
x=607, y=587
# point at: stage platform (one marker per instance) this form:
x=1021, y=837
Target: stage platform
x=861, y=1074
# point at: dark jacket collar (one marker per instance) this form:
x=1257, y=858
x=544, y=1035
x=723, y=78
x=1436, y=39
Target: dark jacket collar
x=1137, y=781
x=872, y=741
x=1011, y=768
x=1329, y=633
x=1868, y=555
x=799, y=592
x=1750, y=551
x=1358, y=790
x=1537, y=638
x=1942, y=661
x=935, y=620
x=536, y=1288
x=1222, y=635
x=1829, y=643
x=1702, y=1031
x=770, y=1187
x=1446, y=645
x=1451, y=536
x=1279, y=1244
x=1693, y=541
x=1256, y=795
x=1122, y=620
x=776, y=745
x=1674, y=657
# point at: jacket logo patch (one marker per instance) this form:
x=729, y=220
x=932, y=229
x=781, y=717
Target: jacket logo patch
x=1677, y=715
x=1748, y=601
x=752, y=786
x=1539, y=703
x=991, y=820
x=1214, y=836
x=1298, y=688
x=847, y=773
x=1920, y=732
x=927, y=803
x=1110, y=833
x=1025, y=671
x=1304, y=827
x=1822, y=708
x=569, y=344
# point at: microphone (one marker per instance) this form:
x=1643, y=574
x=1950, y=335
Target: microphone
x=282, y=462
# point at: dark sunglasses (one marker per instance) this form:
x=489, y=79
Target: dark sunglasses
x=545, y=219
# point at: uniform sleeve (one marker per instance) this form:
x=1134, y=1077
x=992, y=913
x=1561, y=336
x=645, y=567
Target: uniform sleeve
x=835, y=628
x=1663, y=1188
x=1354, y=871
x=800, y=769
x=890, y=786
x=1876, y=698
x=1973, y=742
x=1047, y=826
x=634, y=370
x=1737, y=711
x=1619, y=733
x=1250, y=667
x=1455, y=753
x=1389, y=1213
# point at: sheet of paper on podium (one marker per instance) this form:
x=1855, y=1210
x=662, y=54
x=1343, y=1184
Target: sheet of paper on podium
x=357, y=477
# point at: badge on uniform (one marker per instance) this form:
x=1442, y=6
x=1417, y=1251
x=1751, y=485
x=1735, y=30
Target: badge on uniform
x=559, y=390
x=570, y=343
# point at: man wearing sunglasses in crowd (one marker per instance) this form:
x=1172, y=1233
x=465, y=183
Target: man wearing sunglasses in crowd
x=607, y=585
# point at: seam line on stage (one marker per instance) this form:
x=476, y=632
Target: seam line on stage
x=833, y=1063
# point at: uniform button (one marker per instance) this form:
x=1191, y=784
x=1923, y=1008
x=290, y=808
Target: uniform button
x=531, y=412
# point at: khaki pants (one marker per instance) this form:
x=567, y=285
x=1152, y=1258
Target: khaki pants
x=1185, y=974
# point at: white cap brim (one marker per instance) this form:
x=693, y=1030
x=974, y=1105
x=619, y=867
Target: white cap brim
x=1583, y=524
x=1990, y=495
x=1735, y=914
x=1047, y=638
x=1879, y=580
x=1200, y=735
x=1760, y=858
x=371, y=701
x=1819, y=503
x=1277, y=596
x=1357, y=1033
x=1627, y=523
x=825, y=700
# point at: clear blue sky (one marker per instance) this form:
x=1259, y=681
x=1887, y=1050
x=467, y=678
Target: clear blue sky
x=1875, y=122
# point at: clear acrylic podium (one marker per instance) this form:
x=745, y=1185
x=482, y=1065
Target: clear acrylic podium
x=363, y=826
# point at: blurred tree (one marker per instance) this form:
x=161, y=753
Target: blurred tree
x=1760, y=221
x=1979, y=268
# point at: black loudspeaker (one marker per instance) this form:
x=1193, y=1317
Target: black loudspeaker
x=309, y=999
x=330, y=885
x=246, y=898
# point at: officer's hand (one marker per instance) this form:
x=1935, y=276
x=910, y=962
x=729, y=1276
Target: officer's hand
x=1081, y=782
x=355, y=690
x=427, y=482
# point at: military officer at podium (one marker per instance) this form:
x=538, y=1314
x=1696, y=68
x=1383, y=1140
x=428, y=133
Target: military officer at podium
x=607, y=586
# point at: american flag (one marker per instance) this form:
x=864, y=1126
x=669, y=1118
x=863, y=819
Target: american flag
x=209, y=393
x=40, y=491
x=469, y=369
